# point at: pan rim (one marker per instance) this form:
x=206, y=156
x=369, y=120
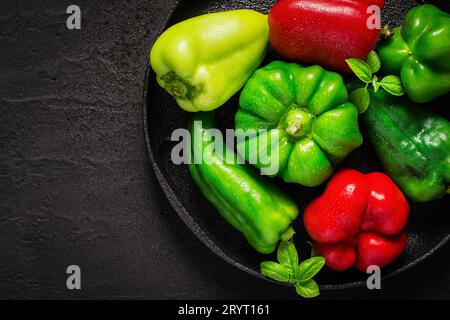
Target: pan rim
x=192, y=225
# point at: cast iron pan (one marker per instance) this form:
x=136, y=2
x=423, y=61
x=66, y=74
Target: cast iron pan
x=429, y=225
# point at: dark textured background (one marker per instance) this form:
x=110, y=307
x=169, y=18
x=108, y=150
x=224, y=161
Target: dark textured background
x=76, y=186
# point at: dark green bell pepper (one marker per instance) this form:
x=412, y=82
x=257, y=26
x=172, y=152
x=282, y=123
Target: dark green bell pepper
x=412, y=143
x=297, y=120
x=250, y=203
x=419, y=51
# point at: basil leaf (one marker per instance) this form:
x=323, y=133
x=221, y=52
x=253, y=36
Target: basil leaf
x=393, y=85
x=287, y=255
x=309, y=268
x=307, y=289
x=361, y=99
x=373, y=60
x=361, y=69
x=275, y=271
x=376, y=84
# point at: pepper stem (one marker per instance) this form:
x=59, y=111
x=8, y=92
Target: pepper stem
x=297, y=122
x=288, y=234
x=387, y=32
x=294, y=127
x=177, y=86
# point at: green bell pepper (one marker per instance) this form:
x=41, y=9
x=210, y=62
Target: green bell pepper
x=251, y=204
x=419, y=51
x=205, y=60
x=297, y=120
x=412, y=143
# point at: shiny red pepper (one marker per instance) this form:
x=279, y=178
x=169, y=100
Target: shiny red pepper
x=359, y=221
x=324, y=32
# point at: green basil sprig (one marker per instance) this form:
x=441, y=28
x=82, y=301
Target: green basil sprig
x=373, y=60
x=393, y=85
x=288, y=269
x=365, y=71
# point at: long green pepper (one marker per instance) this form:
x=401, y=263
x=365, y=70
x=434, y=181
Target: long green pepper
x=251, y=204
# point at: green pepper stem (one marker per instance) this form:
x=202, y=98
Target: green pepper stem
x=297, y=122
x=288, y=234
x=294, y=127
x=177, y=86
x=387, y=32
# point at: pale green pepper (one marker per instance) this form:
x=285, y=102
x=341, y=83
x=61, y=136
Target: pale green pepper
x=203, y=61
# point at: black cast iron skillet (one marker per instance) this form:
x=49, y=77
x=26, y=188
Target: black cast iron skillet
x=429, y=225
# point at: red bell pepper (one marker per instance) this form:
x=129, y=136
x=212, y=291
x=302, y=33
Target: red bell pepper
x=359, y=221
x=324, y=32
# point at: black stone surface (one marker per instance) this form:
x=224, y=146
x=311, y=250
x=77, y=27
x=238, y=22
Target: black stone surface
x=76, y=186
